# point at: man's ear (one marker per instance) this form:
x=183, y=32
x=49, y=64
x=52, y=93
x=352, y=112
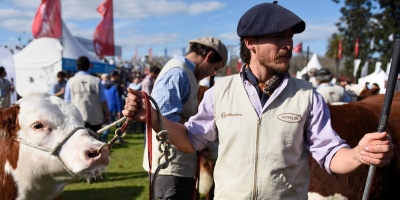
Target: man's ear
x=209, y=55
x=248, y=41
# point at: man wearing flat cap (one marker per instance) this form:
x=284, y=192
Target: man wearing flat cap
x=330, y=92
x=175, y=91
x=266, y=121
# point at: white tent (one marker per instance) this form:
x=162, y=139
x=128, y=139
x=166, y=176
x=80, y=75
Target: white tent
x=378, y=76
x=37, y=65
x=312, y=63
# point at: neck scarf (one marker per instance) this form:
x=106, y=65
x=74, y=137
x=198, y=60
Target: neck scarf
x=264, y=90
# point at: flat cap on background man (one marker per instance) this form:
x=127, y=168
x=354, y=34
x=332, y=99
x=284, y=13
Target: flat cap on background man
x=215, y=44
x=267, y=19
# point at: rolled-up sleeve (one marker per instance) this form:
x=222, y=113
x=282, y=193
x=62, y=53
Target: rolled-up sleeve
x=201, y=127
x=322, y=141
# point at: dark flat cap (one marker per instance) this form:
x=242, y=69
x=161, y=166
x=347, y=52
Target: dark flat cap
x=267, y=19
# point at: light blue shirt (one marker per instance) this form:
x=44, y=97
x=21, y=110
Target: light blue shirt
x=172, y=90
x=67, y=94
x=319, y=134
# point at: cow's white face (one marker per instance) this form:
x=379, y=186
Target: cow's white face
x=45, y=121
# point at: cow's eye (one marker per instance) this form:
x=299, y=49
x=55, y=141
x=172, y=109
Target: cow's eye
x=37, y=125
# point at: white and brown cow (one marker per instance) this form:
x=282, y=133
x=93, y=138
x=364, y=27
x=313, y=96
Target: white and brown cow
x=43, y=147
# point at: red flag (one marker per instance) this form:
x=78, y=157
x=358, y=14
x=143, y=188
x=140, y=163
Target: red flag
x=356, y=49
x=339, y=53
x=150, y=54
x=228, y=70
x=238, y=65
x=47, y=22
x=298, y=48
x=104, y=35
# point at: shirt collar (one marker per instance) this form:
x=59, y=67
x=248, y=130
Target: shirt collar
x=188, y=62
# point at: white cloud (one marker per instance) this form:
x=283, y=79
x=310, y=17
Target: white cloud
x=17, y=25
x=316, y=32
x=146, y=40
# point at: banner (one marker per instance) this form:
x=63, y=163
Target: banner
x=150, y=55
x=103, y=38
x=364, y=70
x=356, y=49
x=47, y=22
x=339, y=53
x=357, y=63
x=298, y=48
x=135, y=55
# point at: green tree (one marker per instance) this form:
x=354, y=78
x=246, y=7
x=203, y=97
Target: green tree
x=386, y=27
x=372, y=22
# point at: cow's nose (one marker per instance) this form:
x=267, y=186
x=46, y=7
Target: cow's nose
x=92, y=153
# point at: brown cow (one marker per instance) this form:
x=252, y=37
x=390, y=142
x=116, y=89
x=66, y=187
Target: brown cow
x=43, y=147
x=351, y=121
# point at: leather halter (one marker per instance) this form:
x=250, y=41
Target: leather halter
x=54, y=151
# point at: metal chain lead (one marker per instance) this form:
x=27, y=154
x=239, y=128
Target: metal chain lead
x=116, y=136
x=167, y=150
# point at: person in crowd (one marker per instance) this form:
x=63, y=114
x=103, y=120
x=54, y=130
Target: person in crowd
x=330, y=92
x=264, y=146
x=148, y=81
x=369, y=90
x=312, y=73
x=105, y=78
x=175, y=91
x=115, y=102
x=6, y=87
x=58, y=89
x=86, y=92
x=135, y=83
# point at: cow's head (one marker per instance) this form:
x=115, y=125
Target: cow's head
x=49, y=146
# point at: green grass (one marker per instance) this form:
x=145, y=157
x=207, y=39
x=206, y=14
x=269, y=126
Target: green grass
x=125, y=177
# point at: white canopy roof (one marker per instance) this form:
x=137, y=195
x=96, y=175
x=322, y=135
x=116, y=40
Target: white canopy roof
x=378, y=76
x=312, y=63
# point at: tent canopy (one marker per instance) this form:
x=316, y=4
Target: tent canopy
x=37, y=65
x=378, y=76
x=312, y=63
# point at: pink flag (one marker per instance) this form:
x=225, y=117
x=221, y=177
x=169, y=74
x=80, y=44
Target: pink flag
x=103, y=38
x=356, y=49
x=339, y=53
x=47, y=22
x=298, y=48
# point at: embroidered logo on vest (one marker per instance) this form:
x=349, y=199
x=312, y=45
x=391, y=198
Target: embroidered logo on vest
x=289, y=117
x=223, y=115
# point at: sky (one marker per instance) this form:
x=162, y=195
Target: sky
x=167, y=24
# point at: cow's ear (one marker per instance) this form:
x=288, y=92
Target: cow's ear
x=9, y=124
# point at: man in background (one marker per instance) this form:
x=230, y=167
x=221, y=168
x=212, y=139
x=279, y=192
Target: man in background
x=86, y=92
x=148, y=81
x=175, y=92
x=58, y=88
x=330, y=92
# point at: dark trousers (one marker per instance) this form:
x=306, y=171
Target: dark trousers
x=94, y=128
x=173, y=187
